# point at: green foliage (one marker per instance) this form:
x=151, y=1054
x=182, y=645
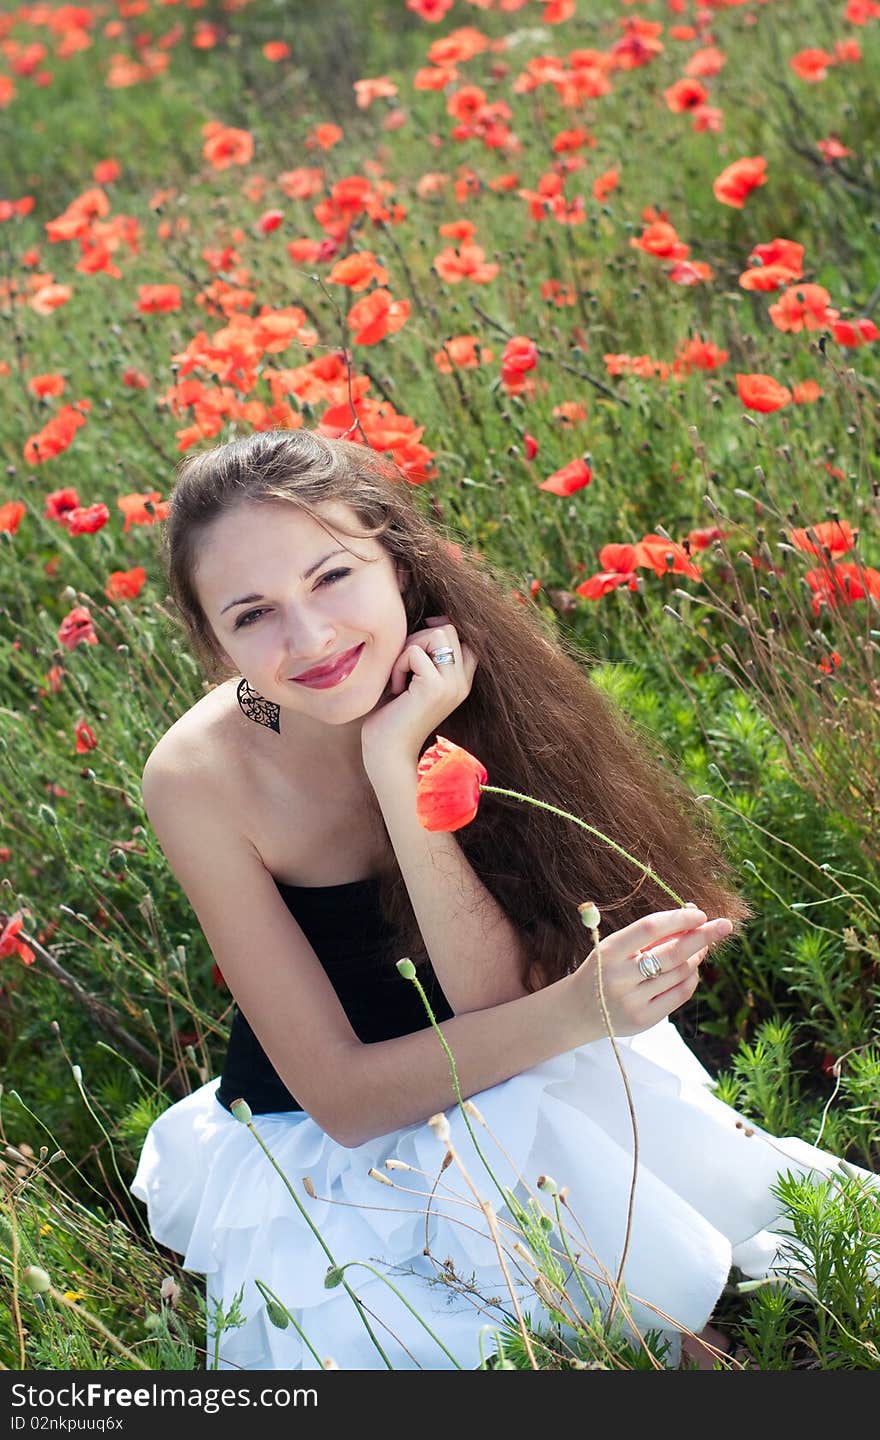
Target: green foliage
x=825, y=1312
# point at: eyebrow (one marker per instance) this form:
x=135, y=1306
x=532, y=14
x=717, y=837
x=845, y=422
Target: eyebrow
x=246, y=599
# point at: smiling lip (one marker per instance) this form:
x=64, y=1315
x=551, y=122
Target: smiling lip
x=321, y=678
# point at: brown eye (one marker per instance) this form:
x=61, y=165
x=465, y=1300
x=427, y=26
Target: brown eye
x=247, y=619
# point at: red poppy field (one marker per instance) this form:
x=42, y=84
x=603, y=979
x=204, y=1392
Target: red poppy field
x=603, y=278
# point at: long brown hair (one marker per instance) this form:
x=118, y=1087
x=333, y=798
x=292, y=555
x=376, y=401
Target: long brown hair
x=536, y=721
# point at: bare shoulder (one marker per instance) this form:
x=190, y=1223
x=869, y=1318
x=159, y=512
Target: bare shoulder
x=269, y=965
x=199, y=745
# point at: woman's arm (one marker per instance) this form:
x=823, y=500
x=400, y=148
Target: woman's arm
x=353, y=1090
x=475, y=950
x=400, y=1082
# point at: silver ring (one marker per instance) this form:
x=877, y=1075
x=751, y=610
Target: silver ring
x=649, y=965
x=443, y=657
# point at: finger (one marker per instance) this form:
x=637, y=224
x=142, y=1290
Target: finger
x=672, y=978
x=651, y=930
x=402, y=666
x=674, y=997
x=675, y=957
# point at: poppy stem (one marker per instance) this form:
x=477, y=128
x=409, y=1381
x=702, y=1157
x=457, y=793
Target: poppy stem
x=565, y=815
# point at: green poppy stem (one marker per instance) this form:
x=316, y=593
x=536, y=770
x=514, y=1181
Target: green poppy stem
x=565, y=815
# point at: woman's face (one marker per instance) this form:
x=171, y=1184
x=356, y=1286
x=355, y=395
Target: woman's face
x=284, y=595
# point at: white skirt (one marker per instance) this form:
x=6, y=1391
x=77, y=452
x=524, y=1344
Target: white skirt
x=702, y=1204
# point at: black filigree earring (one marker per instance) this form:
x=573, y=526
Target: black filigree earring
x=256, y=707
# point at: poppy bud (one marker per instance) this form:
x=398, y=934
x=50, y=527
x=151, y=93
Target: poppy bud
x=440, y=1125
x=277, y=1315
x=242, y=1111
x=589, y=914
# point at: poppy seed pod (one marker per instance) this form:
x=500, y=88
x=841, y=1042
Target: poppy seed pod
x=589, y=914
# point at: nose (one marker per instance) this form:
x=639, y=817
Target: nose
x=308, y=636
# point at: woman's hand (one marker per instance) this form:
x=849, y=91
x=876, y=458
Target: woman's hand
x=680, y=940
x=397, y=729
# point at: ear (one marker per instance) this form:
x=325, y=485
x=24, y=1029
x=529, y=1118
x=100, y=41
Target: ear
x=403, y=577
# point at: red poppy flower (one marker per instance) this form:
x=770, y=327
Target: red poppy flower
x=367, y=91
x=85, y=520
x=519, y=354
x=376, y=316
x=134, y=508
x=77, y=629
x=42, y=385
x=661, y=240
x=834, y=535
x=780, y=252
x=806, y=392
x=832, y=149
x=853, y=333
x=125, y=584
x=811, y=65
x=466, y=263
x=358, y=271
x=735, y=183
x=11, y=516
x=685, y=95
x=706, y=62
x=431, y=10
x=836, y=585
x=604, y=184
x=655, y=552
x=698, y=354
x=460, y=352
x=766, y=277
x=59, y=504
x=690, y=272
x=573, y=476
x=448, y=790
x=225, y=146
x=153, y=298
x=803, y=307
x=604, y=583
x=762, y=392
x=106, y=171
x=324, y=137
x=618, y=568
x=86, y=739
x=702, y=539
x=10, y=943
x=57, y=434
x=569, y=412
x=269, y=220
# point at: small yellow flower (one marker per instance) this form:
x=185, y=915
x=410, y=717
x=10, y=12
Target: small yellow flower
x=46, y=1229
x=74, y=1295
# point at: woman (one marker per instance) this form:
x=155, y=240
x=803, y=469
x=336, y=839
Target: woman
x=284, y=801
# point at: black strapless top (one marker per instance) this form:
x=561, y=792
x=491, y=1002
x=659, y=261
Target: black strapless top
x=345, y=926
